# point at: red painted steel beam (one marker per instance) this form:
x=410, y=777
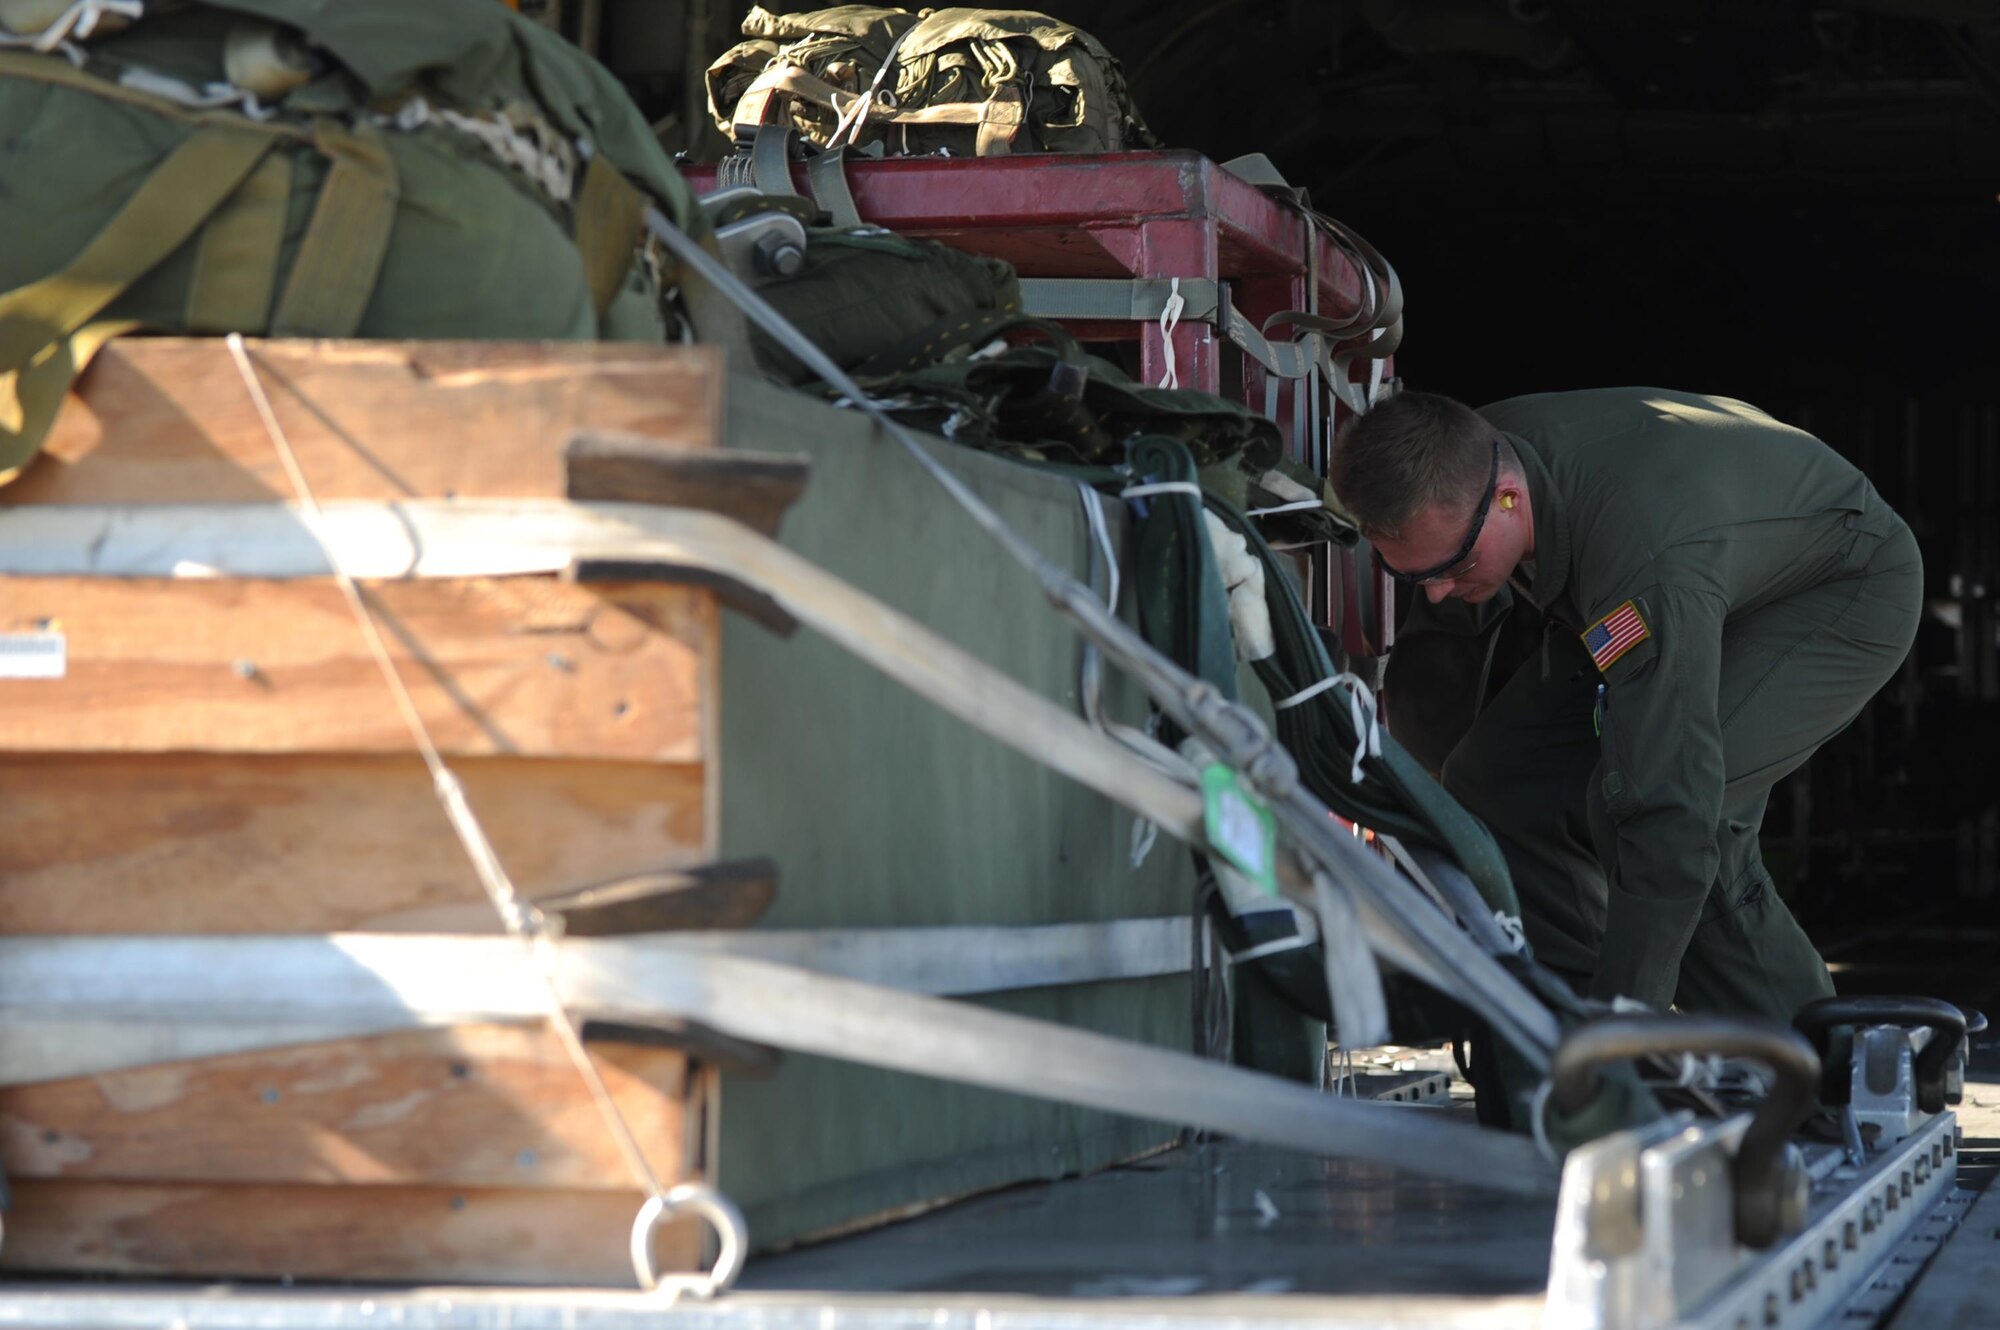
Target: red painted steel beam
x=1056, y=215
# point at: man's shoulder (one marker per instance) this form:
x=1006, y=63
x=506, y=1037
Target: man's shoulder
x=1605, y=412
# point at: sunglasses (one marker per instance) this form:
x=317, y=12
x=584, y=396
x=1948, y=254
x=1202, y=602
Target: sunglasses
x=1458, y=565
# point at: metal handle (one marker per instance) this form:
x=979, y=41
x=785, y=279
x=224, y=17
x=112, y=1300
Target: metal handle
x=1818, y=1020
x=1771, y=1191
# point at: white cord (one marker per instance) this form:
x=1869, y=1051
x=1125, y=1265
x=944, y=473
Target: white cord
x=1305, y=695
x=1170, y=319
x=521, y=918
x=1160, y=487
x=1361, y=709
x=1298, y=507
x=1093, y=513
x=852, y=131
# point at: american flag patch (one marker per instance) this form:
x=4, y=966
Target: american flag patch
x=1615, y=634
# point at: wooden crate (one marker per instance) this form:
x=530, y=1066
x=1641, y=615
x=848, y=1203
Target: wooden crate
x=222, y=756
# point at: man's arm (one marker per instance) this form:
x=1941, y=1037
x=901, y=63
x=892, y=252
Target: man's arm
x=1660, y=654
x=1432, y=690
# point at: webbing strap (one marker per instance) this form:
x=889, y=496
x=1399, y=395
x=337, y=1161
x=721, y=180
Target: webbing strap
x=161, y=214
x=31, y=396
x=1142, y=299
x=236, y=267
x=828, y=176
x=333, y=277
x=771, y=159
x=610, y=210
x=999, y=119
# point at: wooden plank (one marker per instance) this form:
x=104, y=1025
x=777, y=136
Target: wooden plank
x=754, y=488
x=304, y=1232
x=168, y=420
x=480, y=1106
x=539, y=667
x=180, y=843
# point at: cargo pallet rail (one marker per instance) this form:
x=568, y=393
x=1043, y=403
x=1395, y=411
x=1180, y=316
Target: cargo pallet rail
x=284, y=1046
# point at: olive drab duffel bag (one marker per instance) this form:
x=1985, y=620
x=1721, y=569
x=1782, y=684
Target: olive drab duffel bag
x=968, y=81
x=370, y=168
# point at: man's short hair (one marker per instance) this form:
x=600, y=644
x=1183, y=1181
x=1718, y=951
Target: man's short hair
x=1413, y=450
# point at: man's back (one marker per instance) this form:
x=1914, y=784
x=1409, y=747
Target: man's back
x=1657, y=487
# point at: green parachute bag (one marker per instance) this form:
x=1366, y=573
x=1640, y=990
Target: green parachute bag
x=972, y=82
x=365, y=169
x=869, y=297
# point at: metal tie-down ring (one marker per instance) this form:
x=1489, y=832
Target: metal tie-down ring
x=722, y=1215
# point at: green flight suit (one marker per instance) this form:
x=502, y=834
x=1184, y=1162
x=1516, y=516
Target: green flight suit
x=1756, y=591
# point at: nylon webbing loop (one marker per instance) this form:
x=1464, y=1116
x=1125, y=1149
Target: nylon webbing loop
x=46, y=330
x=827, y=173
x=236, y=267
x=333, y=277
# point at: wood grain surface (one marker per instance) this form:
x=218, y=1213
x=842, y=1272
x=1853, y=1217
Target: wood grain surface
x=168, y=420
x=184, y=843
x=488, y=1106
x=305, y=1232
x=532, y=666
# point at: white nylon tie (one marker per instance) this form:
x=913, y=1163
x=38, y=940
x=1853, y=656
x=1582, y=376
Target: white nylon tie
x=1361, y=709
x=1160, y=487
x=1170, y=318
x=1297, y=507
x=520, y=917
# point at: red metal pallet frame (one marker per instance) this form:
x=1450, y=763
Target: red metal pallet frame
x=1137, y=216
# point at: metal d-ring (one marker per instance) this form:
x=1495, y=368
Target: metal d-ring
x=1771, y=1190
x=1817, y=1021
x=732, y=1233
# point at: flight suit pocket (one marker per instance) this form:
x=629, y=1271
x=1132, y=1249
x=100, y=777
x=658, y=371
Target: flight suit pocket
x=1743, y=879
x=1621, y=800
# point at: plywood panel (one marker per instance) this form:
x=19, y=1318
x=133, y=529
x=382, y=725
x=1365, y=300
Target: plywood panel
x=168, y=420
x=183, y=843
x=423, y=1234
x=531, y=666
x=485, y=1106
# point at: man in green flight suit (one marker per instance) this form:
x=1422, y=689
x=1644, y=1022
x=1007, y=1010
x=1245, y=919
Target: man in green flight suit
x=1721, y=594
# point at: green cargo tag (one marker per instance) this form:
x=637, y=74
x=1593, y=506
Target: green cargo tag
x=1240, y=827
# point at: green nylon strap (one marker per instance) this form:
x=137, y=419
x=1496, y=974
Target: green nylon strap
x=30, y=397
x=161, y=214
x=236, y=267
x=610, y=210
x=333, y=278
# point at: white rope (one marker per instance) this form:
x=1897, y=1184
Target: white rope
x=852, y=131
x=1298, y=507
x=1160, y=487
x=1139, y=742
x=1170, y=319
x=521, y=918
x=1093, y=512
x=1361, y=709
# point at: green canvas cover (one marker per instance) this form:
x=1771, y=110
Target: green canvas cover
x=450, y=171
x=883, y=811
